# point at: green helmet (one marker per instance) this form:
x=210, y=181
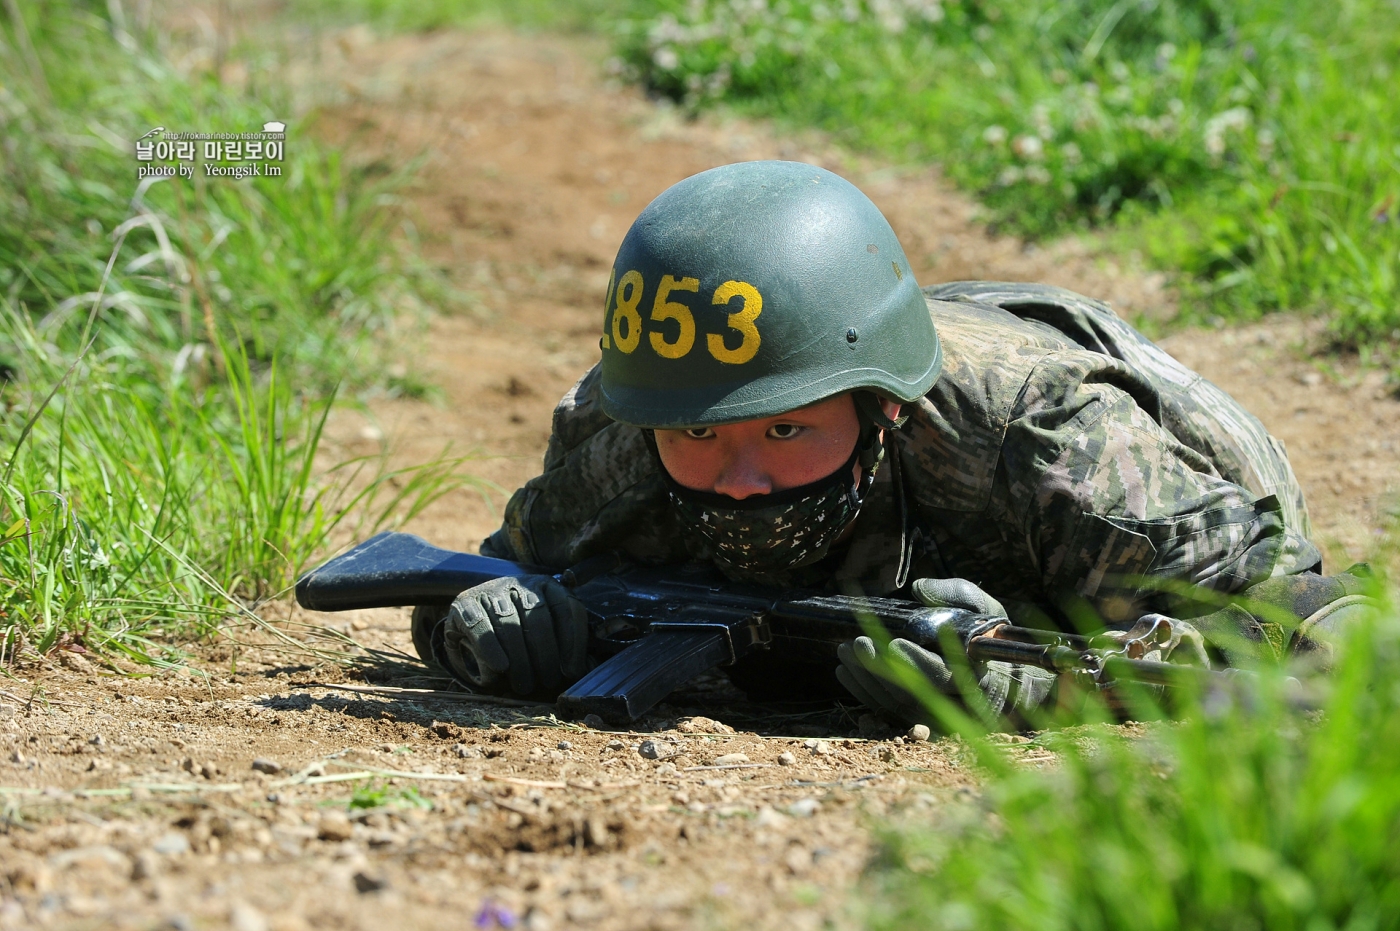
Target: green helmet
x=757, y=288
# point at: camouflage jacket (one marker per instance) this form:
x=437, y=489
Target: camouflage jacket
x=1061, y=461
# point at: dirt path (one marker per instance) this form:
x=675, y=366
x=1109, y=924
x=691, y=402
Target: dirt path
x=536, y=166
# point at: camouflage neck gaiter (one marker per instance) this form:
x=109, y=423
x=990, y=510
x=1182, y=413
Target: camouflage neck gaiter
x=764, y=537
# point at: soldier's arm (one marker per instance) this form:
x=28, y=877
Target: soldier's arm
x=1118, y=513
x=600, y=491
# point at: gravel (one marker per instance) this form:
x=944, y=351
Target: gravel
x=658, y=750
x=335, y=826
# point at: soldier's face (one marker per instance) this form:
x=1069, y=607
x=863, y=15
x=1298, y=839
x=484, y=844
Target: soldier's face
x=758, y=457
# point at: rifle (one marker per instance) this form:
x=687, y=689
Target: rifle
x=653, y=629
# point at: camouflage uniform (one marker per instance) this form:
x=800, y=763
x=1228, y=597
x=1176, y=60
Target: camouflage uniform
x=1060, y=460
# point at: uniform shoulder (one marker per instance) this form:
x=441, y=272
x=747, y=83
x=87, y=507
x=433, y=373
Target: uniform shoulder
x=578, y=416
x=996, y=364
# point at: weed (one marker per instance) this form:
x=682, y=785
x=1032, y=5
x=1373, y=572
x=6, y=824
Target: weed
x=1243, y=814
x=172, y=348
x=371, y=796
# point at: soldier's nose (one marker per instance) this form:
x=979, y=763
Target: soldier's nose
x=740, y=480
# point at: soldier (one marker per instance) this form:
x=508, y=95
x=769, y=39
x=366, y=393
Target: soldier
x=779, y=398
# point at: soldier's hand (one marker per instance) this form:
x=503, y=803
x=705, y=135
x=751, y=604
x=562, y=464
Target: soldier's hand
x=1005, y=686
x=526, y=635
x=862, y=674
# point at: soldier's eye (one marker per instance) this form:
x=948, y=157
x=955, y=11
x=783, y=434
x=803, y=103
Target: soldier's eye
x=699, y=433
x=784, y=431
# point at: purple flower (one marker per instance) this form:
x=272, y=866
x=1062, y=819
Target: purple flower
x=493, y=915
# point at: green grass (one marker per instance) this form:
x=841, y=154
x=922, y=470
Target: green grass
x=426, y=15
x=1249, y=146
x=1243, y=815
x=372, y=796
x=171, y=351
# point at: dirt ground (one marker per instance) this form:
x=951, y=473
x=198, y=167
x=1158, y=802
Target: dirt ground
x=137, y=802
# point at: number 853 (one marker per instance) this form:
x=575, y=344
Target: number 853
x=622, y=325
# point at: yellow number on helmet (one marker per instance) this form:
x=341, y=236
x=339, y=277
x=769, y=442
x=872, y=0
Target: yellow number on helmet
x=607, y=306
x=629, y=295
x=663, y=309
x=743, y=322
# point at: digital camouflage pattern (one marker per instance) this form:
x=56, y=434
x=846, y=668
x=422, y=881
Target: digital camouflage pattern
x=1060, y=460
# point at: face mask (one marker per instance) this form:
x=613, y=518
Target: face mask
x=764, y=537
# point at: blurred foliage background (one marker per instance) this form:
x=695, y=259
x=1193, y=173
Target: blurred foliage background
x=1248, y=146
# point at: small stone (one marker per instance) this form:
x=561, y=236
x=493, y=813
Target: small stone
x=209, y=770
x=18, y=758
x=919, y=732
x=804, y=808
x=819, y=747
x=731, y=759
x=244, y=917
x=386, y=748
x=701, y=725
x=656, y=750
x=335, y=826
x=188, y=764
x=465, y=752
x=98, y=741
x=145, y=865
x=666, y=769
x=172, y=844
x=564, y=745
x=616, y=744
x=787, y=758
x=593, y=721
x=264, y=765
x=364, y=882
x=798, y=860
x=768, y=818
x=447, y=730
x=74, y=661
x=595, y=831
x=30, y=877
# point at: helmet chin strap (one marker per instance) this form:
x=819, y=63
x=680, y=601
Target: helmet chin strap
x=870, y=411
x=873, y=419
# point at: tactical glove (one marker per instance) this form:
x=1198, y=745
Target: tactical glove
x=526, y=635
x=1006, y=686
